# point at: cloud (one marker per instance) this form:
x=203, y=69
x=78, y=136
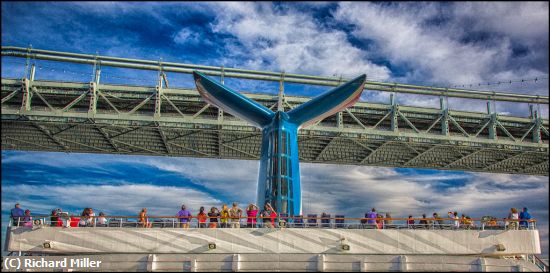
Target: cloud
x=127, y=199
x=445, y=44
x=289, y=40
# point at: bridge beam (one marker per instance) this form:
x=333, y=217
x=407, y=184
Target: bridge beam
x=27, y=95
x=92, y=107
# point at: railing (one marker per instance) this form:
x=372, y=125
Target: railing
x=31, y=53
x=284, y=222
x=538, y=262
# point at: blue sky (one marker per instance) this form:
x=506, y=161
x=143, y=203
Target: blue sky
x=442, y=44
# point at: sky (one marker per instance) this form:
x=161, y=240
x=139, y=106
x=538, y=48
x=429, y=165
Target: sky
x=447, y=44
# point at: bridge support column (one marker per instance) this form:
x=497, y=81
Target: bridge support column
x=493, y=126
x=94, y=86
x=27, y=95
x=536, y=129
x=444, y=117
x=158, y=100
x=220, y=115
x=394, y=114
x=33, y=71
x=340, y=120
x=92, y=109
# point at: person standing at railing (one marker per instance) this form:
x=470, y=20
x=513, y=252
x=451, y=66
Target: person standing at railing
x=55, y=220
x=372, y=215
x=213, y=216
x=17, y=214
x=424, y=223
x=525, y=216
x=73, y=220
x=251, y=214
x=224, y=216
x=83, y=218
x=513, y=215
x=410, y=222
x=388, y=220
x=87, y=218
x=101, y=220
x=454, y=215
x=184, y=216
x=267, y=216
x=91, y=218
x=463, y=220
x=27, y=219
x=468, y=223
x=437, y=222
x=273, y=215
x=202, y=218
x=379, y=221
x=235, y=213
x=143, y=220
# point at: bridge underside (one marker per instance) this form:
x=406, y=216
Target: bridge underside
x=114, y=119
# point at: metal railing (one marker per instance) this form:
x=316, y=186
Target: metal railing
x=31, y=53
x=281, y=222
x=538, y=262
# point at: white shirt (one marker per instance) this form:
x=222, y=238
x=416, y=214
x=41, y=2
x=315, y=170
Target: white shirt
x=101, y=220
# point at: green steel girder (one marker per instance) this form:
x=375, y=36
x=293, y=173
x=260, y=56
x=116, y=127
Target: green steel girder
x=183, y=125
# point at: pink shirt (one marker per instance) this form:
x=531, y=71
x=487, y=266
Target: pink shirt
x=251, y=214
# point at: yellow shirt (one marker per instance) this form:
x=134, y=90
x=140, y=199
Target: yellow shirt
x=224, y=214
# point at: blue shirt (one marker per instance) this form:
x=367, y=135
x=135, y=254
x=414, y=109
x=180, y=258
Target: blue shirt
x=184, y=213
x=17, y=212
x=372, y=214
x=524, y=215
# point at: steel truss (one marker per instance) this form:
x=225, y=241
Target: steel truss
x=101, y=118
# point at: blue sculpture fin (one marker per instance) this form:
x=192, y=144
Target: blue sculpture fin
x=328, y=103
x=231, y=101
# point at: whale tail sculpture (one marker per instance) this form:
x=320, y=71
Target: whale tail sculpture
x=279, y=178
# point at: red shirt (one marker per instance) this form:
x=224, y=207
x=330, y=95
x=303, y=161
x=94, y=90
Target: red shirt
x=251, y=216
x=273, y=216
x=74, y=221
x=202, y=217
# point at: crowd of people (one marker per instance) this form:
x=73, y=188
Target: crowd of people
x=230, y=218
x=224, y=218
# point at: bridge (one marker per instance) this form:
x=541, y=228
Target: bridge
x=161, y=120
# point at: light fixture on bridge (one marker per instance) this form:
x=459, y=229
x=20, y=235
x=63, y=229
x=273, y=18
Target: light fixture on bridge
x=211, y=246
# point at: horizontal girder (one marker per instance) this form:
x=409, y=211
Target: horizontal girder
x=61, y=116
